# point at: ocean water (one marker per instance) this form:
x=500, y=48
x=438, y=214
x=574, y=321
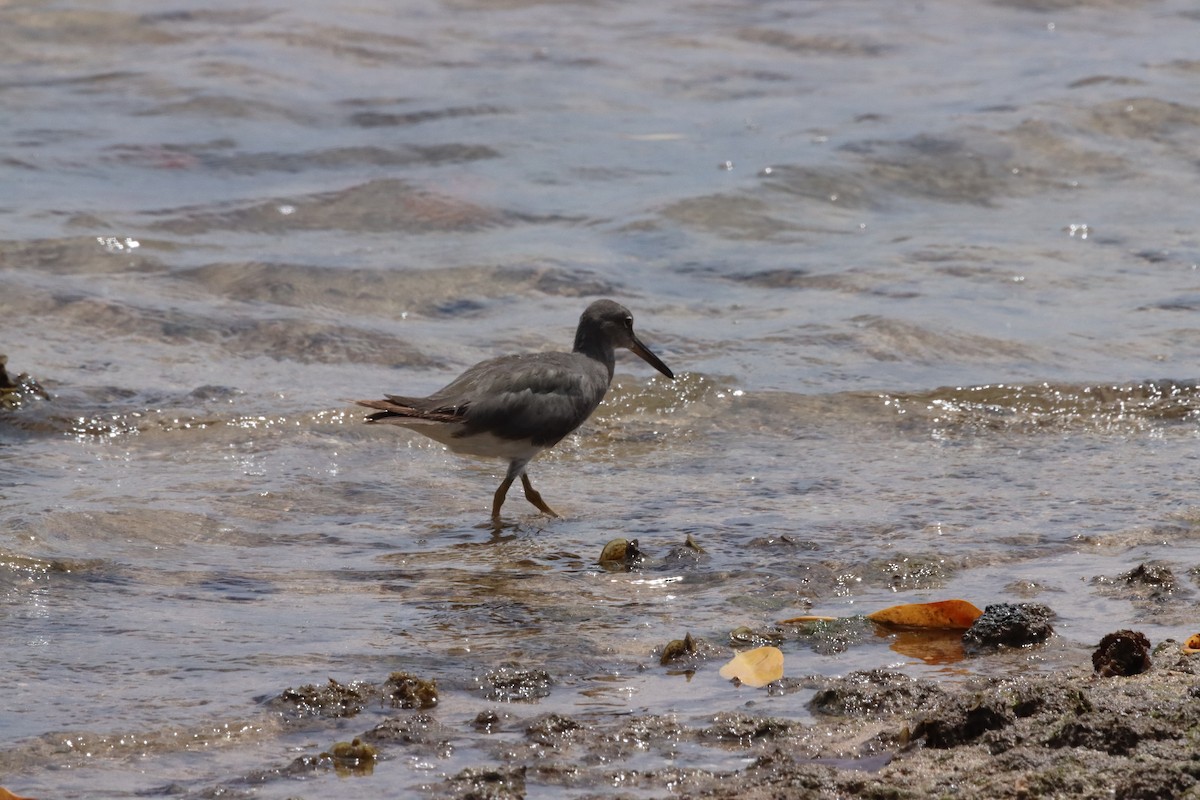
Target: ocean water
x=928, y=274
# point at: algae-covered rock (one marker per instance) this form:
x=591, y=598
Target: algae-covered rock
x=352, y=758
x=409, y=691
x=332, y=699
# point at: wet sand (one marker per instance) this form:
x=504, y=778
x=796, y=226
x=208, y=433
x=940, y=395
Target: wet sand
x=875, y=734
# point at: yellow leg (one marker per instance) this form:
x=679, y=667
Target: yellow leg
x=534, y=497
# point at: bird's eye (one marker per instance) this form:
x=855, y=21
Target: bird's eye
x=629, y=323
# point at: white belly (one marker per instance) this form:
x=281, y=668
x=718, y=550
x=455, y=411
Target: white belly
x=484, y=445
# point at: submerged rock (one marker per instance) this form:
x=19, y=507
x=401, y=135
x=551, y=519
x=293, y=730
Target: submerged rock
x=749, y=637
x=832, y=636
x=552, y=730
x=731, y=726
x=685, y=554
x=513, y=685
x=419, y=731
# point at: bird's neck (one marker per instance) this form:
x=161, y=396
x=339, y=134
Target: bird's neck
x=596, y=347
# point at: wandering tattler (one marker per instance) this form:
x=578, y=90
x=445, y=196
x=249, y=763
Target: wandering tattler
x=514, y=407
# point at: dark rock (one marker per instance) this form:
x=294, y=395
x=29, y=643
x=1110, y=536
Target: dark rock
x=1122, y=653
x=1009, y=625
x=1156, y=784
x=413, y=729
x=1114, y=733
x=962, y=720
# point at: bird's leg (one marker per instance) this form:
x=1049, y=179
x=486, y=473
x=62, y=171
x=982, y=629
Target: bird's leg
x=534, y=497
x=514, y=468
x=498, y=498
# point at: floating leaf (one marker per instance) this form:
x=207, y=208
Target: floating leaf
x=1192, y=645
x=949, y=614
x=756, y=667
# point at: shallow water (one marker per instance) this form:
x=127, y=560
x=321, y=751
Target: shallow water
x=927, y=275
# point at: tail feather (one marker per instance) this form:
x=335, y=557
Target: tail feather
x=387, y=409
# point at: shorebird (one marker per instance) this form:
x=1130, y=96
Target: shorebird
x=514, y=407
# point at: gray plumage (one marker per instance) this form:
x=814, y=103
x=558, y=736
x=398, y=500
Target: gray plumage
x=513, y=407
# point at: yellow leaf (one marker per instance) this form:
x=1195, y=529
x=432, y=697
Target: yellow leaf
x=756, y=667
x=952, y=614
x=1192, y=645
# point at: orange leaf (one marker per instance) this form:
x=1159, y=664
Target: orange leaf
x=756, y=667
x=953, y=614
x=5, y=794
x=1192, y=645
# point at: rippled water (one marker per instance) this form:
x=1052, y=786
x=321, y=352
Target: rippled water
x=928, y=274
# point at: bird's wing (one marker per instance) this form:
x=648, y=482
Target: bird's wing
x=540, y=397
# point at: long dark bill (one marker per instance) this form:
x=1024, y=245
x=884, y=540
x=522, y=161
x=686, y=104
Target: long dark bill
x=650, y=358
